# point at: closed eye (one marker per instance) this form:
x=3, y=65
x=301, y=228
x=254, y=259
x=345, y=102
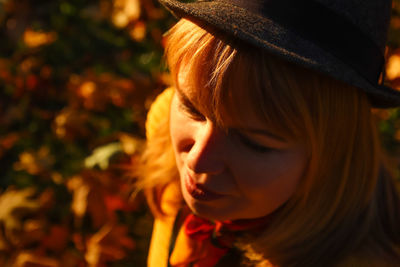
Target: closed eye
x=192, y=112
x=186, y=106
x=252, y=144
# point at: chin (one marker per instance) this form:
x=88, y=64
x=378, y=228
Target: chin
x=204, y=209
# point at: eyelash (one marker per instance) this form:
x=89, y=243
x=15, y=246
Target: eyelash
x=196, y=115
x=253, y=145
x=192, y=112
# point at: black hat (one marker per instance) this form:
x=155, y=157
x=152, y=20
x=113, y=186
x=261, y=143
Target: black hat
x=342, y=38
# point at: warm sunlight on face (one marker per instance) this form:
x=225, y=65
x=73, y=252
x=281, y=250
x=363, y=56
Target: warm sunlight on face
x=233, y=173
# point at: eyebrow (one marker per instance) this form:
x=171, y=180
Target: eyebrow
x=262, y=132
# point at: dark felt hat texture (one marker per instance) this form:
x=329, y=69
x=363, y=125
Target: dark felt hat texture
x=342, y=38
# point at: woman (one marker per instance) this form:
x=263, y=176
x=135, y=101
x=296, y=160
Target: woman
x=270, y=154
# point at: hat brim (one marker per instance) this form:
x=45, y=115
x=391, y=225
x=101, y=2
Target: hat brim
x=263, y=32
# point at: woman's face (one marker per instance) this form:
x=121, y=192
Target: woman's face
x=236, y=173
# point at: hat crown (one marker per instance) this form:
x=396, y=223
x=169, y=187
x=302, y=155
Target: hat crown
x=370, y=16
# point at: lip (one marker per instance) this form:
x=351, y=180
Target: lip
x=198, y=191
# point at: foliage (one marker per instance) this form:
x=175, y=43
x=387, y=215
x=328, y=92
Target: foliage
x=389, y=120
x=76, y=79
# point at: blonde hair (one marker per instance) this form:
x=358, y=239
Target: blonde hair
x=346, y=205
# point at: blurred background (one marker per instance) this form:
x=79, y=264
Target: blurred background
x=76, y=80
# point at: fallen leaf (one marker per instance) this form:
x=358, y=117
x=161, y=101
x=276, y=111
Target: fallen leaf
x=33, y=231
x=35, y=162
x=57, y=239
x=101, y=155
x=88, y=197
x=393, y=67
x=15, y=206
x=34, y=39
x=125, y=11
x=9, y=140
x=31, y=259
x=131, y=144
x=71, y=124
x=138, y=31
x=79, y=198
x=110, y=243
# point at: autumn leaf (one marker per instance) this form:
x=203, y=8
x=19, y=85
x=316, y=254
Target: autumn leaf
x=35, y=162
x=110, y=243
x=35, y=39
x=138, y=31
x=70, y=124
x=7, y=142
x=32, y=233
x=57, y=238
x=125, y=11
x=88, y=197
x=15, y=206
x=80, y=192
x=32, y=259
x=4, y=245
x=393, y=66
x=95, y=92
x=131, y=144
x=101, y=156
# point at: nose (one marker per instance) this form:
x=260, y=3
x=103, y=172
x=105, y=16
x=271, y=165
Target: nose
x=209, y=150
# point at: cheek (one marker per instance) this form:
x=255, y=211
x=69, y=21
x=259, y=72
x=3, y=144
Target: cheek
x=274, y=180
x=176, y=124
x=181, y=133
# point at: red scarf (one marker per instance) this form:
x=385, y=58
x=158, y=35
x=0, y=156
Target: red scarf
x=203, y=243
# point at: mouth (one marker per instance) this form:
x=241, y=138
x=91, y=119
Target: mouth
x=198, y=191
